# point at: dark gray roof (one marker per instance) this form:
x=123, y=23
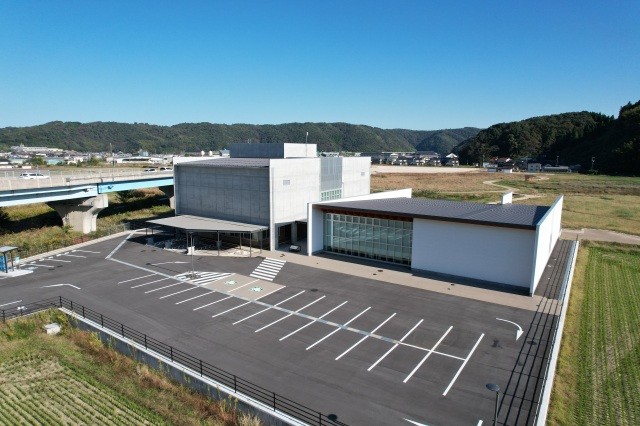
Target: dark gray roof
x=506, y=215
x=228, y=162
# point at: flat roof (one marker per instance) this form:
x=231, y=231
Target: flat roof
x=205, y=224
x=5, y=249
x=228, y=162
x=504, y=215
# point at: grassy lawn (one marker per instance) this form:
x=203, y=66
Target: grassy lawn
x=69, y=379
x=598, y=376
x=598, y=202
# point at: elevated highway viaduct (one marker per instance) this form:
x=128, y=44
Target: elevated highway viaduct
x=79, y=197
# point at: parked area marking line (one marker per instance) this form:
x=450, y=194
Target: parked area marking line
x=270, y=307
x=58, y=260
x=162, y=288
x=74, y=255
x=229, y=310
x=10, y=303
x=394, y=346
x=213, y=303
x=110, y=255
x=339, y=328
x=287, y=316
x=428, y=354
x=150, y=282
x=313, y=321
x=365, y=337
x=195, y=297
x=462, y=366
x=178, y=292
x=266, y=294
x=133, y=279
x=86, y=251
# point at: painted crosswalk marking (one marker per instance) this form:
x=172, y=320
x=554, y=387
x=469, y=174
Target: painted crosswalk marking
x=268, y=269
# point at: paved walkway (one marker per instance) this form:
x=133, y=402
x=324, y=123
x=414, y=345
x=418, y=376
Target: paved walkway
x=599, y=235
x=402, y=276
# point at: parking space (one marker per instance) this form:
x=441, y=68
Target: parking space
x=320, y=337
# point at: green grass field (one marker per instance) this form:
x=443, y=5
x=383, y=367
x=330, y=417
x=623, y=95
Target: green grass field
x=598, y=377
x=69, y=379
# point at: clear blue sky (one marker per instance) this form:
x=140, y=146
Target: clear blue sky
x=393, y=64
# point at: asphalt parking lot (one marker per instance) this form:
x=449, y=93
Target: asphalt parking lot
x=366, y=351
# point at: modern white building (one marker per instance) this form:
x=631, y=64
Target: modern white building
x=267, y=185
x=504, y=244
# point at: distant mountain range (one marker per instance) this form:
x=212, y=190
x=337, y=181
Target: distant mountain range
x=570, y=138
x=194, y=137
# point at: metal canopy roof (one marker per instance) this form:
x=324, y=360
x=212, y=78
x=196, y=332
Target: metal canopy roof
x=205, y=224
x=505, y=215
x=5, y=249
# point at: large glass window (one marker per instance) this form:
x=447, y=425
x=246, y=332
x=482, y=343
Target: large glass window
x=380, y=239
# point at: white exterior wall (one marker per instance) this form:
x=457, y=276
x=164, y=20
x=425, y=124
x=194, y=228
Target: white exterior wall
x=490, y=253
x=356, y=176
x=290, y=201
x=314, y=216
x=548, y=233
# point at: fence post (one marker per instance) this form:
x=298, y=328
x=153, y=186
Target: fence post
x=171, y=352
x=145, y=341
x=122, y=329
x=101, y=321
x=274, y=401
x=320, y=418
x=60, y=300
x=83, y=312
x=72, y=306
x=235, y=386
x=200, y=366
x=3, y=317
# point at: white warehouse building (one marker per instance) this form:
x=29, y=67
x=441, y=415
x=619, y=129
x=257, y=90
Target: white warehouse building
x=266, y=185
x=504, y=244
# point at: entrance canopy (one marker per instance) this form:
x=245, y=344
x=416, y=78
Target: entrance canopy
x=205, y=224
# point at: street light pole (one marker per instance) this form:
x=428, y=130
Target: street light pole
x=494, y=388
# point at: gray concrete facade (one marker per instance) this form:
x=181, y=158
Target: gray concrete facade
x=265, y=191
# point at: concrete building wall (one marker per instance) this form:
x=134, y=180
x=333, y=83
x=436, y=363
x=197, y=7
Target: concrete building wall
x=548, y=233
x=236, y=194
x=356, y=176
x=314, y=216
x=272, y=150
x=295, y=183
x=489, y=253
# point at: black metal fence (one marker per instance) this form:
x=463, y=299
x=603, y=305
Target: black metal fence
x=204, y=369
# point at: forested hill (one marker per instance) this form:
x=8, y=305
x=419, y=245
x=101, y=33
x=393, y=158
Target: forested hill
x=190, y=137
x=573, y=138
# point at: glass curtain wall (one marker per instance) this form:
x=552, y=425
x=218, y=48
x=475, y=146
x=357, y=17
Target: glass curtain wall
x=374, y=238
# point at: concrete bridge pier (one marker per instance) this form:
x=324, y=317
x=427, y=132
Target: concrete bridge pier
x=169, y=192
x=80, y=213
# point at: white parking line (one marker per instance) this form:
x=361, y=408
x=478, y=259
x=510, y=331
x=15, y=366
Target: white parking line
x=11, y=303
x=365, y=337
x=462, y=366
x=162, y=288
x=287, y=316
x=150, y=282
x=229, y=310
x=73, y=255
x=339, y=328
x=308, y=324
x=58, y=260
x=243, y=285
x=270, y=307
x=191, y=298
x=87, y=251
x=177, y=292
x=427, y=355
x=46, y=266
x=266, y=294
x=435, y=352
x=394, y=346
x=133, y=279
x=213, y=303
